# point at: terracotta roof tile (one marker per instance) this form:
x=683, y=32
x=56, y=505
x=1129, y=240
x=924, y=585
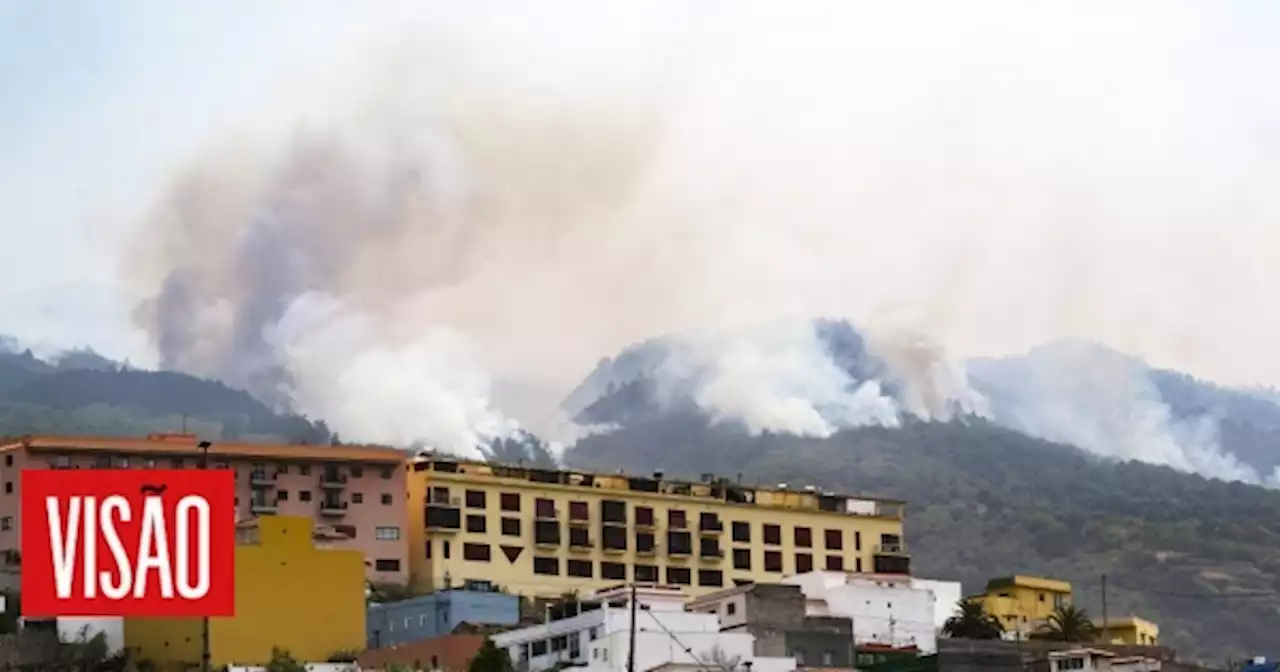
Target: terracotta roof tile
x=451, y=653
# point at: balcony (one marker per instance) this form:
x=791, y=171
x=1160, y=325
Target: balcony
x=333, y=509
x=444, y=515
x=261, y=478
x=260, y=507
x=331, y=480
x=899, y=548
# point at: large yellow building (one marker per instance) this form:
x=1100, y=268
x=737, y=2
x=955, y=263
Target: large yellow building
x=1022, y=603
x=544, y=532
x=291, y=592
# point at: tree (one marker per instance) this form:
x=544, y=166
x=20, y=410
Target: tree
x=490, y=659
x=972, y=621
x=1068, y=623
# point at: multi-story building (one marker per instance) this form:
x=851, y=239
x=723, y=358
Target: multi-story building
x=437, y=613
x=1023, y=603
x=278, y=570
x=1128, y=630
x=887, y=610
x=543, y=532
x=775, y=615
x=358, y=490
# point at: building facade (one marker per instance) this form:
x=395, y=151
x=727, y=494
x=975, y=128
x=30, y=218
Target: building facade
x=358, y=490
x=596, y=635
x=775, y=616
x=542, y=532
x=289, y=594
x=436, y=614
x=888, y=610
x=1023, y=603
x=1128, y=630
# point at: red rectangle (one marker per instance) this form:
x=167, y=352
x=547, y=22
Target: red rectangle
x=161, y=542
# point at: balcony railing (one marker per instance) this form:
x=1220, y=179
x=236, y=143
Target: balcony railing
x=899, y=548
x=332, y=480
x=333, y=508
x=263, y=507
x=262, y=478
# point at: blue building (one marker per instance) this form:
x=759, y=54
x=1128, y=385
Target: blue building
x=438, y=613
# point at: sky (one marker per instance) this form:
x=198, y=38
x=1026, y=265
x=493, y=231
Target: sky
x=996, y=175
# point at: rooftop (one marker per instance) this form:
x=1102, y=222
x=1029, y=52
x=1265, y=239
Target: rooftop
x=710, y=486
x=1033, y=582
x=174, y=445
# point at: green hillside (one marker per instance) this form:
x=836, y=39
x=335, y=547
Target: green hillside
x=1201, y=557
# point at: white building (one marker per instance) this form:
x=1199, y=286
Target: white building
x=1096, y=660
x=946, y=598
x=599, y=637
x=885, y=608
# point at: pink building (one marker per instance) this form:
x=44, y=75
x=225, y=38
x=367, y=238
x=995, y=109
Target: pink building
x=358, y=491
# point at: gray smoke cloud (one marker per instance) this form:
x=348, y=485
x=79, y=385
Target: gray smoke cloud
x=486, y=207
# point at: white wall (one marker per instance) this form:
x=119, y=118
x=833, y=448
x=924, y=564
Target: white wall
x=884, y=610
x=946, y=595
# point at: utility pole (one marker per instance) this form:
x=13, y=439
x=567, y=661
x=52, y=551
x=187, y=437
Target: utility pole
x=204, y=626
x=1106, y=623
x=631, y=656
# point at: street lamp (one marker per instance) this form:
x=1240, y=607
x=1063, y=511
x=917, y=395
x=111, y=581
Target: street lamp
x=204, y=626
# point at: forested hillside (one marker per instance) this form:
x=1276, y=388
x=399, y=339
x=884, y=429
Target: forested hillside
x=82, y=393
x=1200, y=556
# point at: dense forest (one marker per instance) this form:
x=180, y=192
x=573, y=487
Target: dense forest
x=1201, y=557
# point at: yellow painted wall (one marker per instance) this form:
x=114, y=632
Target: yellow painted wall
x=1024, y=602
x=288, y=594
x=1131, y=630
x=861, y=534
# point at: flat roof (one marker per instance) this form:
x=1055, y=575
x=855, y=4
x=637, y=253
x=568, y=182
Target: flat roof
x=188, y=444
x=1025, y=581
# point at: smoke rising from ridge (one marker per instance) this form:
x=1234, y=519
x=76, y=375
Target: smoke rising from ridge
x=506, y=205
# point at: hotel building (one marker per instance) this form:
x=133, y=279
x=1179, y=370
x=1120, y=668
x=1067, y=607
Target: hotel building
x=543, y=532
x=359, y=491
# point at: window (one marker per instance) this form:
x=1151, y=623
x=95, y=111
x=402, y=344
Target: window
x=578, y=511
x=857, y=565
x=644, y=542
x=679, y=543
x=857, y=541
x=282, y=496
x=742, y=558
x=730, y=608
x=676, y=519
x=709, y=522
x=804, y=563
x=538, y=648
x=475, y=524
x=305, y=470
x=510, y=527
x=8, y=487
x=614, y=538
x=386, y=473
x=835, y=563
x=773, y=535
x=386, y=499
x=475, y=499
x=444, y=548
x=386, y=533
x=742, y=532
x=475, y=552
x=386, y=565
x=546, y=566
x=645, y=573
x=357, y=472
x=8, y=460
x=613, y=511
x=709, y=547
x=546, y=532
x=804, y=537
x=833, y=540
x=644, y=516
x=613, y=570
x=828, y=657
x=679, y=576
x=579, y=568
x=710, y=577
x=1071, y=664
x=6, y=523
x=304, y=495
x=428, y=549
x=580, y=537
x=772, y=561
x=544, y=508
x=176, y=464
x=357, y=498
x=509, y=501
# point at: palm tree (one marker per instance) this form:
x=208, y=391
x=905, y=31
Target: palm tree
x=1068, y=623
x=971, y=621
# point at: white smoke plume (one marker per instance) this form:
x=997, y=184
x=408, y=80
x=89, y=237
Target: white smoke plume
x=488, y=203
